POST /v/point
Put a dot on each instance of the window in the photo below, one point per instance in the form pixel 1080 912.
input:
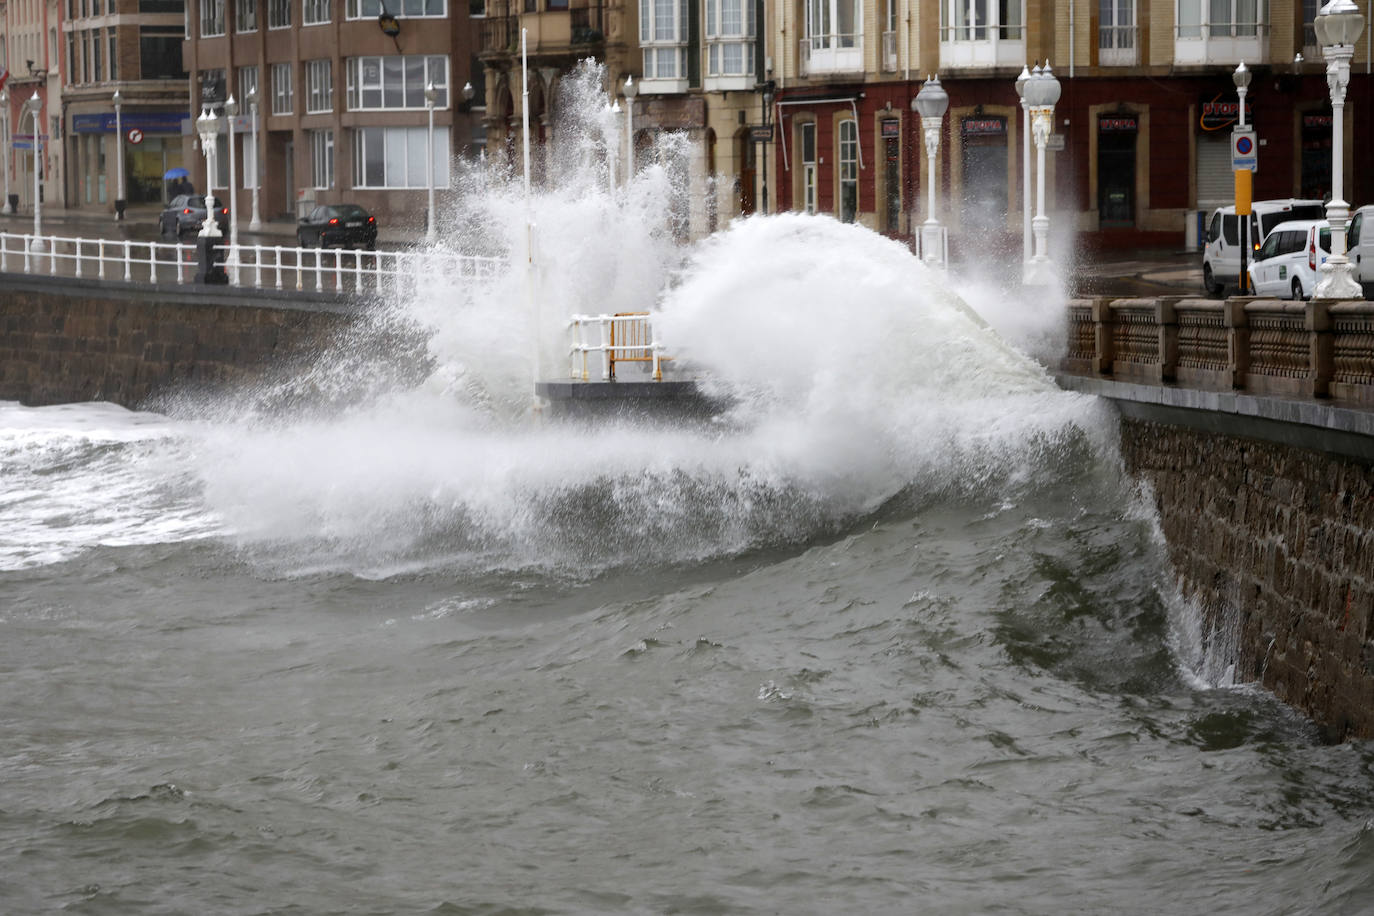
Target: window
pixel 834 36
pixel 211 18
pixel 315 12
pixel 405 9
pixel 246 16
pixel 1116 33
pixel 159 51
pixel 394 157
pixel 982 33
pixel 321 158
pixel 663 37
pixel 729 37
pixel 282 103
pixel 114 57
pixel 278 14
pixel 1310 49
pixel 160 6
pixel 808 163
pixel 71 57
pixel 849 170
pixel 97 41
pixel 319 87
pixel 395 82
pixel 1221 31
pixel 248 84
pixel 890 36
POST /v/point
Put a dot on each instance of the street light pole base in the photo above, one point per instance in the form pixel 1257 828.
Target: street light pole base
pixel 1039 271
pixel 1337 281
pixel 38 244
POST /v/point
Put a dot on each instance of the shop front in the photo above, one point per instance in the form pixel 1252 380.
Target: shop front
pixel 152 145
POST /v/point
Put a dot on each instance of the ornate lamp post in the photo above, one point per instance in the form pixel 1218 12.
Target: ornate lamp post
pixel 1042 92
pixel 1338 26
pixel 255 222
pixel 9 145
pixel 430 96
pixel 1025 167
pixel 931 103
pixel 631 90
pixel 35 107
pixel 231 109
pixel 119 156
pixel 207 125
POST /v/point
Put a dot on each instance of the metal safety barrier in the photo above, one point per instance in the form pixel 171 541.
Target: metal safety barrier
pixel 623 337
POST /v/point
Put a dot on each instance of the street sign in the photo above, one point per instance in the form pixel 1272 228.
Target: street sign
pixel 762 134
pixel 1244 150
pixel 135 136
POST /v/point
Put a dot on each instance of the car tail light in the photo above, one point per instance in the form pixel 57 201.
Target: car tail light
pixel 224 210
pixel 372 219
pixel 1312 250
pixel 187 210
pixel 334 221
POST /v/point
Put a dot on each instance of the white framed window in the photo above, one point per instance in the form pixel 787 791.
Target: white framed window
pixel 890 36
pixel 404 9
pixel 663 38
pixel 248 83
pixel 394 157
pixel 319 86
pixel 395 82
pixel 246 16
pixel 97 42
pixel 211 18
pixel 834 40
pixel 730 33
pixel 282 101
pixel 1311 50
pixel 321 158
pixel 114 57
pixel 983 33
pixel 1221 32
pixel 807 148
pixel 848 140
pixel 279 14
pixel 315 12
pixel 1116 33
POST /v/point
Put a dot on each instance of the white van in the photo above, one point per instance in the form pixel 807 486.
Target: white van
pixel 1221 257
pixel 1359 245
pixel 1286 265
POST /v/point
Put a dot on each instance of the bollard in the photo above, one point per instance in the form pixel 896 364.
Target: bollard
pixel 211 271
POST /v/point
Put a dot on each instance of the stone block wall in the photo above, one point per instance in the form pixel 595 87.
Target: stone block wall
pixel 76 341
pixel 1279 541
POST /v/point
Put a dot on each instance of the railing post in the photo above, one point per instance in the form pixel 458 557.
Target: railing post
pixel 28 256
pixel 1167 319
pixel 1103 344
pixel 152 263
pixel 1320 347
pixel 277 254
pixel 607 342
pixel 4 250
pixel 100 259
pixel 128 262
pixel 1237 325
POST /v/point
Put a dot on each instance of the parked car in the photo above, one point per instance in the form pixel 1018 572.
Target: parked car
pixel 186 214
pixel 1359 245
pixel 1286 264
pixel 342 225
pixel 1221 256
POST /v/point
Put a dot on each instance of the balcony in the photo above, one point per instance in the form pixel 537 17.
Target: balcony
pixel 588 23
pixel 833 53
pixel 982 46
pixel 1221 43
pixel 1117 46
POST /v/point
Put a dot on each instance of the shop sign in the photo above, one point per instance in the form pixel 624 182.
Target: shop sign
pixel 1219 111
pixel 1117 124
pixel 150 122
pixel 984 127
pixel 761 134
pixel 1316 122
pixel 891 128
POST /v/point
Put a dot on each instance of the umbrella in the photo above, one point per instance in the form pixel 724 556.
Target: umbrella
pixel 175 173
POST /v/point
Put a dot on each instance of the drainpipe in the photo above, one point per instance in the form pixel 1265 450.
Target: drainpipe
pixel 1072 4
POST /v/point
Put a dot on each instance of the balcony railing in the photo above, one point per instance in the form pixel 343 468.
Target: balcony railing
pixel 588 24
pixel 832 53
pixel 982 46
pixel 1221 43
pixel 499 34
pixel 1116 46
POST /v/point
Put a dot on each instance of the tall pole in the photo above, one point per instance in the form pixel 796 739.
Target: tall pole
pixel 1338 27
pixel 9 145
pixel 531 276
pixel 120 201
pixel 255 223
pixel 35 107
pixel 231 110
pixel 631 90
pixel 1025 166
pixel 429 212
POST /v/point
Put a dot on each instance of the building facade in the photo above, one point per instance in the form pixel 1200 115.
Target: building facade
pixel 32 67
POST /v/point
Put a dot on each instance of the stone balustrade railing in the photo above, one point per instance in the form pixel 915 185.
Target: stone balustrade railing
pixel 1321 348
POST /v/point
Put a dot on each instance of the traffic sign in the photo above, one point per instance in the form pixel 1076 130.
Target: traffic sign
pixel 135 136
pixel 1244 149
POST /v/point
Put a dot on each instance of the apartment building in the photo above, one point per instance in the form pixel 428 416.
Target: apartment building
pixel 29 55
pixel 339 92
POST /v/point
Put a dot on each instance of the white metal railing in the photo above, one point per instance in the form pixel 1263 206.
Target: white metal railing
pixel 832 52
pixel 1116 46
pixel 625 337
pixel 256 266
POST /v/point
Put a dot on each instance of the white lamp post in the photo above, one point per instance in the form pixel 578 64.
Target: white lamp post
pixel 1042 92
pixel 35 108
pixel 9 145
pixel 119 156
pixel 255 222
pixel 931 103
pixel 631 90
pixel 1025 167
pixel 1338 26
pixel 1241 77
pixel 231 110
pixel 207 125
pixel 430 95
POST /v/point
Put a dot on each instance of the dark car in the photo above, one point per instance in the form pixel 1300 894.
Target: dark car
pixel 185 215
pixel 342 225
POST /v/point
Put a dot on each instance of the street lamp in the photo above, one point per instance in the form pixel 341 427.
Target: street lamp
pixel 1338 27
pixel 768 89
pixel 35 107
pixel 207 125
pixel 931 103
pixel 9 145
pixel 119 156
pixel 1041 93
pixel 1241 77
pixel 231 109
pixel 255 223
pixel 430 95
pixel 1025 167
pixel 631 90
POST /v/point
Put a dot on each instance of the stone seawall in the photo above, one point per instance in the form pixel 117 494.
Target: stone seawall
pixel 73 340
pixel 1279 542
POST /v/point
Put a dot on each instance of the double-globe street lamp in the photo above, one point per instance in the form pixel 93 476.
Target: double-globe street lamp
pixel 255 221
pixel 1041 93
pixel 231 110
pixel 1025 168
pixel 9 146
pixel 931 103
pixel 35 107
pixel 1338 26
pixel 120 201
pixel 631 90
pixel 430 96
pixel 207 125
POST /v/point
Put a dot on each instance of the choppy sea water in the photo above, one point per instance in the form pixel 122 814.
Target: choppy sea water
pixel 894 634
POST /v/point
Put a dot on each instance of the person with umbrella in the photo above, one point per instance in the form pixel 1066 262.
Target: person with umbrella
pixel 180 179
